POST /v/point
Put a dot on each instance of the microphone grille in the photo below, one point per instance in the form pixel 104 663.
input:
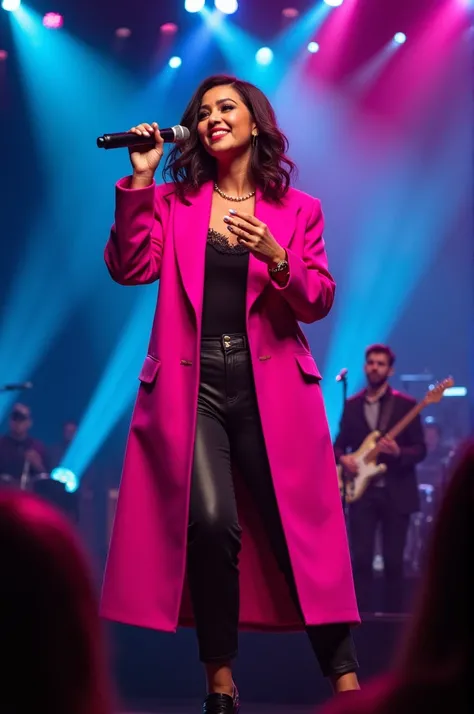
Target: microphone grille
pixel 181 133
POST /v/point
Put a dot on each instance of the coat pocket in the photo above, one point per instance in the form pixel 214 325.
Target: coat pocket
pixel 149 370
pixel 308 367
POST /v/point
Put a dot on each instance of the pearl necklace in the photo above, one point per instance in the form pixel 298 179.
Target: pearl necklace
pixel 233 198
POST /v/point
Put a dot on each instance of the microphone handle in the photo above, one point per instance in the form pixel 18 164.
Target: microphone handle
pixel 126 139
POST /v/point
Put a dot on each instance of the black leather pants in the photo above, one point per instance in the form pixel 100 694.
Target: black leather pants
pixel 229 429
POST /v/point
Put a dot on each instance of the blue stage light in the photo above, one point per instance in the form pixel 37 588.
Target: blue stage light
pixel 67 477
pixel 227 6
pixel 175 62
pixel 194 5
pixel 11 5
pixel 264 56
pixel 313 47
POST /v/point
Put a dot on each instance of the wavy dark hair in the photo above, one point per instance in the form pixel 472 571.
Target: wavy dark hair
pixel 189 165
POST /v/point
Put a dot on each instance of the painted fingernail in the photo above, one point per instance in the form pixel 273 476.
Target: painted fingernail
pixel 232 211
pixel 229 228
pixel 226 219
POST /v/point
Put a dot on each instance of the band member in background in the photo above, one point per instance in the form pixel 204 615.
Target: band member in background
pixel 391 497
pixel 59 450
pixel 20 454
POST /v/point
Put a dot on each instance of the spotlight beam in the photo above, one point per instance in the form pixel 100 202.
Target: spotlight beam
pixel 289 42
pixel 116 389
pixel 369 309
pixel 56 269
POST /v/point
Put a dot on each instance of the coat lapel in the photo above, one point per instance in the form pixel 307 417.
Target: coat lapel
pixel 281 220
pixel 191 224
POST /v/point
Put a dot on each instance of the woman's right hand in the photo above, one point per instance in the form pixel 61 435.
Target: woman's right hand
pixel 144 159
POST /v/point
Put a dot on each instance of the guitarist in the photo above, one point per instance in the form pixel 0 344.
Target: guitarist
pixel 391 497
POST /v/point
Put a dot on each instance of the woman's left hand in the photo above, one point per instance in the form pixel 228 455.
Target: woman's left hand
pixel 255 236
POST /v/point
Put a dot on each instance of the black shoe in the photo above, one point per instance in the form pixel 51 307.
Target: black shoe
pixel 222 703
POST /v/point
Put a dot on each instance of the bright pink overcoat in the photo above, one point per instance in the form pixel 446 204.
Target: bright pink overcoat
pixel 156 236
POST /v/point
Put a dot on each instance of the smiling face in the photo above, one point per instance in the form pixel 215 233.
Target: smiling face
pixel 225 124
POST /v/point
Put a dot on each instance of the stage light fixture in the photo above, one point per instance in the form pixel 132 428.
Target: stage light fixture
pixel 456 392
pixel 313 47
pixel 3 55
pixel 264 56
pixel 11 5
pixel 53 21
pixel 228 7
pixel 290 13
pixel 333 3
pixel 169 28
pixel 194 5
pixel 67 477
pixel 175 62
pixel 400 38
pixel 123 32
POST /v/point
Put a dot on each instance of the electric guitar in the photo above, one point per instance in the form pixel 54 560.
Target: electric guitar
pixel 367 453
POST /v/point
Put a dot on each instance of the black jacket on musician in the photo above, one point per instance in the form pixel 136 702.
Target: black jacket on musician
pixel 400 477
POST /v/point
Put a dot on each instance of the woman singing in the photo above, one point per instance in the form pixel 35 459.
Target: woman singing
pixel 229 511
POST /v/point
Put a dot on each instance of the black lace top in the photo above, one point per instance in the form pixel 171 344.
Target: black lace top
pixel 225 287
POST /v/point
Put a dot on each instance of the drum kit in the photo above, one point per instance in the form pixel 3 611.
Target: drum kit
pixel 419 530
pixel 45 487
pixel 25 483
pixel 431 485
pixel 41 484
pixel 432 478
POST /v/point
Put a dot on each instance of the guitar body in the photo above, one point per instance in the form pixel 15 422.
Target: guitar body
pixel 356 485
pixel 366 454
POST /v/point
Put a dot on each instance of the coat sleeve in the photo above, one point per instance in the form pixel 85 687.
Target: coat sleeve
pixel 310 287
pixel 134 249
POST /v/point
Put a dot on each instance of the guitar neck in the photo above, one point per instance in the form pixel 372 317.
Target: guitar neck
pixel 407 419
pixel 400 425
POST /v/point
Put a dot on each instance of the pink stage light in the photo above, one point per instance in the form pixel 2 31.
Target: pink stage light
pixel 3 55
pixel 123 32
pixel 53 21
pixel 290 13
pixel 169 28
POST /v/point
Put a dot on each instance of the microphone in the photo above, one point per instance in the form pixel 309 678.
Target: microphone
pixel 125 139
pixel 16 386
pixel 342 375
